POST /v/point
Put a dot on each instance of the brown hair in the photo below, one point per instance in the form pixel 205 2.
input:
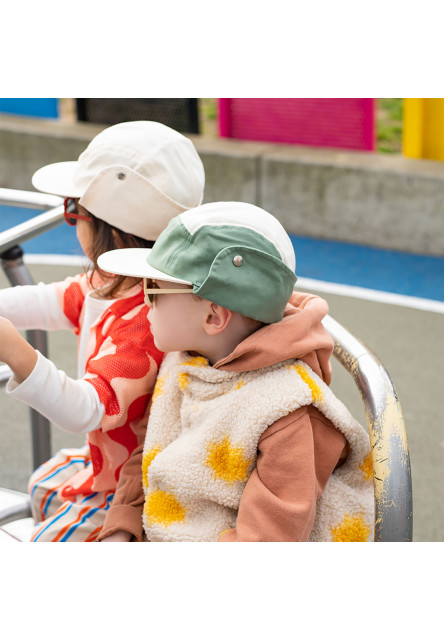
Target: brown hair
pixel 105 238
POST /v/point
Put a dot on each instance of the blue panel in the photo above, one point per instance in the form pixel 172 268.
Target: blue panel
pixel 34 107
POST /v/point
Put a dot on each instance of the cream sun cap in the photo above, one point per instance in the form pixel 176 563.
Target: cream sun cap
pixel 232 253
pixel 134 175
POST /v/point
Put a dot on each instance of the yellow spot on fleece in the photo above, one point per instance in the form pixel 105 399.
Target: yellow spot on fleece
pixel 198 361
pixel 228 462
pixel 158 389
pixel 148 457
pixel 316 392
pixel 163 508
pixel 351 529
pixel 367 467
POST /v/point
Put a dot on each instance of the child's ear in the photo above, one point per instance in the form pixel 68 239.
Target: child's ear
pixel 217 319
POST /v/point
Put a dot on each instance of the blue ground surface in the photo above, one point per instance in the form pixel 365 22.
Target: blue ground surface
pixel 338 262
pixel 60 240
pixel 370 268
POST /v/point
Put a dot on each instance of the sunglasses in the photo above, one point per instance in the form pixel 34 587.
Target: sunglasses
pixel 71 214
pixel 151 290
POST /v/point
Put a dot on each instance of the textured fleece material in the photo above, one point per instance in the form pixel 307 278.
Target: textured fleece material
pixel 296 454
pixel 201 448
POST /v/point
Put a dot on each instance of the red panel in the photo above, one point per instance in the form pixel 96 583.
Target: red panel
pixel 345 123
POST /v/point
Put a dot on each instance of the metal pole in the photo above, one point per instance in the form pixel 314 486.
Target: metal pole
pixel 18 274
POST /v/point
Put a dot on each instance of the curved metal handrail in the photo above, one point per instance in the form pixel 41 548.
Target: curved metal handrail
pixel 35 226
pixel 385 422
pixel 14 505
pixel 29 199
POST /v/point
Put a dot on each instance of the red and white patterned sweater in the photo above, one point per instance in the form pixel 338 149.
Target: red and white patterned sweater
pixel 110 401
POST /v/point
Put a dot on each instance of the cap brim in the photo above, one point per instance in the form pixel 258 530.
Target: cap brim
pixel 57 178
pixel 133 262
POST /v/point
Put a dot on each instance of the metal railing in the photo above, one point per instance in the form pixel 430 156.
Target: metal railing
pixel 11 260
pixel 390 456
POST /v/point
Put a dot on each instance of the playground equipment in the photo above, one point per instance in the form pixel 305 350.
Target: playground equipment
pixel 30 107
pixel 344 123
pixel 390 456
pixel 179 113
pixel 423 128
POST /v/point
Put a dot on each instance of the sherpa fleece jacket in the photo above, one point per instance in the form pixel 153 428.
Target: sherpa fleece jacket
pixel 109 400
pixel 201 447
pixel 295 455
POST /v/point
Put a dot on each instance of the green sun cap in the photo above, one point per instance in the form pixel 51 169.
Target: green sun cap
pixel 234 254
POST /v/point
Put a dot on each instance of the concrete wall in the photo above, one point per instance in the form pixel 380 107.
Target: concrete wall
pixel 373 199
pixel 382 201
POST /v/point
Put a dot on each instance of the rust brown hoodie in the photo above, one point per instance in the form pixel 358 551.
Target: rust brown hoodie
pixel 296 454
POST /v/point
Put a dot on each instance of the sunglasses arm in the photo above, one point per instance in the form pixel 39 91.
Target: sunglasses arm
pixel 156 291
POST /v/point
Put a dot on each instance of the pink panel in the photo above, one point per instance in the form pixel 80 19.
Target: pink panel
pixel 345 123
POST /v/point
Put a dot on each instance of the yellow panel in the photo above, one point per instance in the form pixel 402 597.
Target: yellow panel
pixel 423 128
pixel 433 147
pixel 412 130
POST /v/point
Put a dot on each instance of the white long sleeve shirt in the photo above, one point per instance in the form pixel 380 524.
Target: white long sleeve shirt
pixel 117 365
pixel 37 307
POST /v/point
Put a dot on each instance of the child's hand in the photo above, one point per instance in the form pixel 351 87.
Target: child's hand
pixel 15 351
pixel 118 536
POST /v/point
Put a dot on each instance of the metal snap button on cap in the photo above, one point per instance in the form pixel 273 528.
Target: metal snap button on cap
pixel 121 175
pixel 237 261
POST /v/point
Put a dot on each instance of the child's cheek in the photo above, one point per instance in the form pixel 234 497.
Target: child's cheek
pixel 151 319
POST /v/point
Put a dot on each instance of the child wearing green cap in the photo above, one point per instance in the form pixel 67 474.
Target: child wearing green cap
pixel 245 440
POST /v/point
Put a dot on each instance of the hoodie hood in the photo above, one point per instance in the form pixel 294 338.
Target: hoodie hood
pixel 300 334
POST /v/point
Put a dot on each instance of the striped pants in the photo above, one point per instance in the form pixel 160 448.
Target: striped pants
pixel 65 521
